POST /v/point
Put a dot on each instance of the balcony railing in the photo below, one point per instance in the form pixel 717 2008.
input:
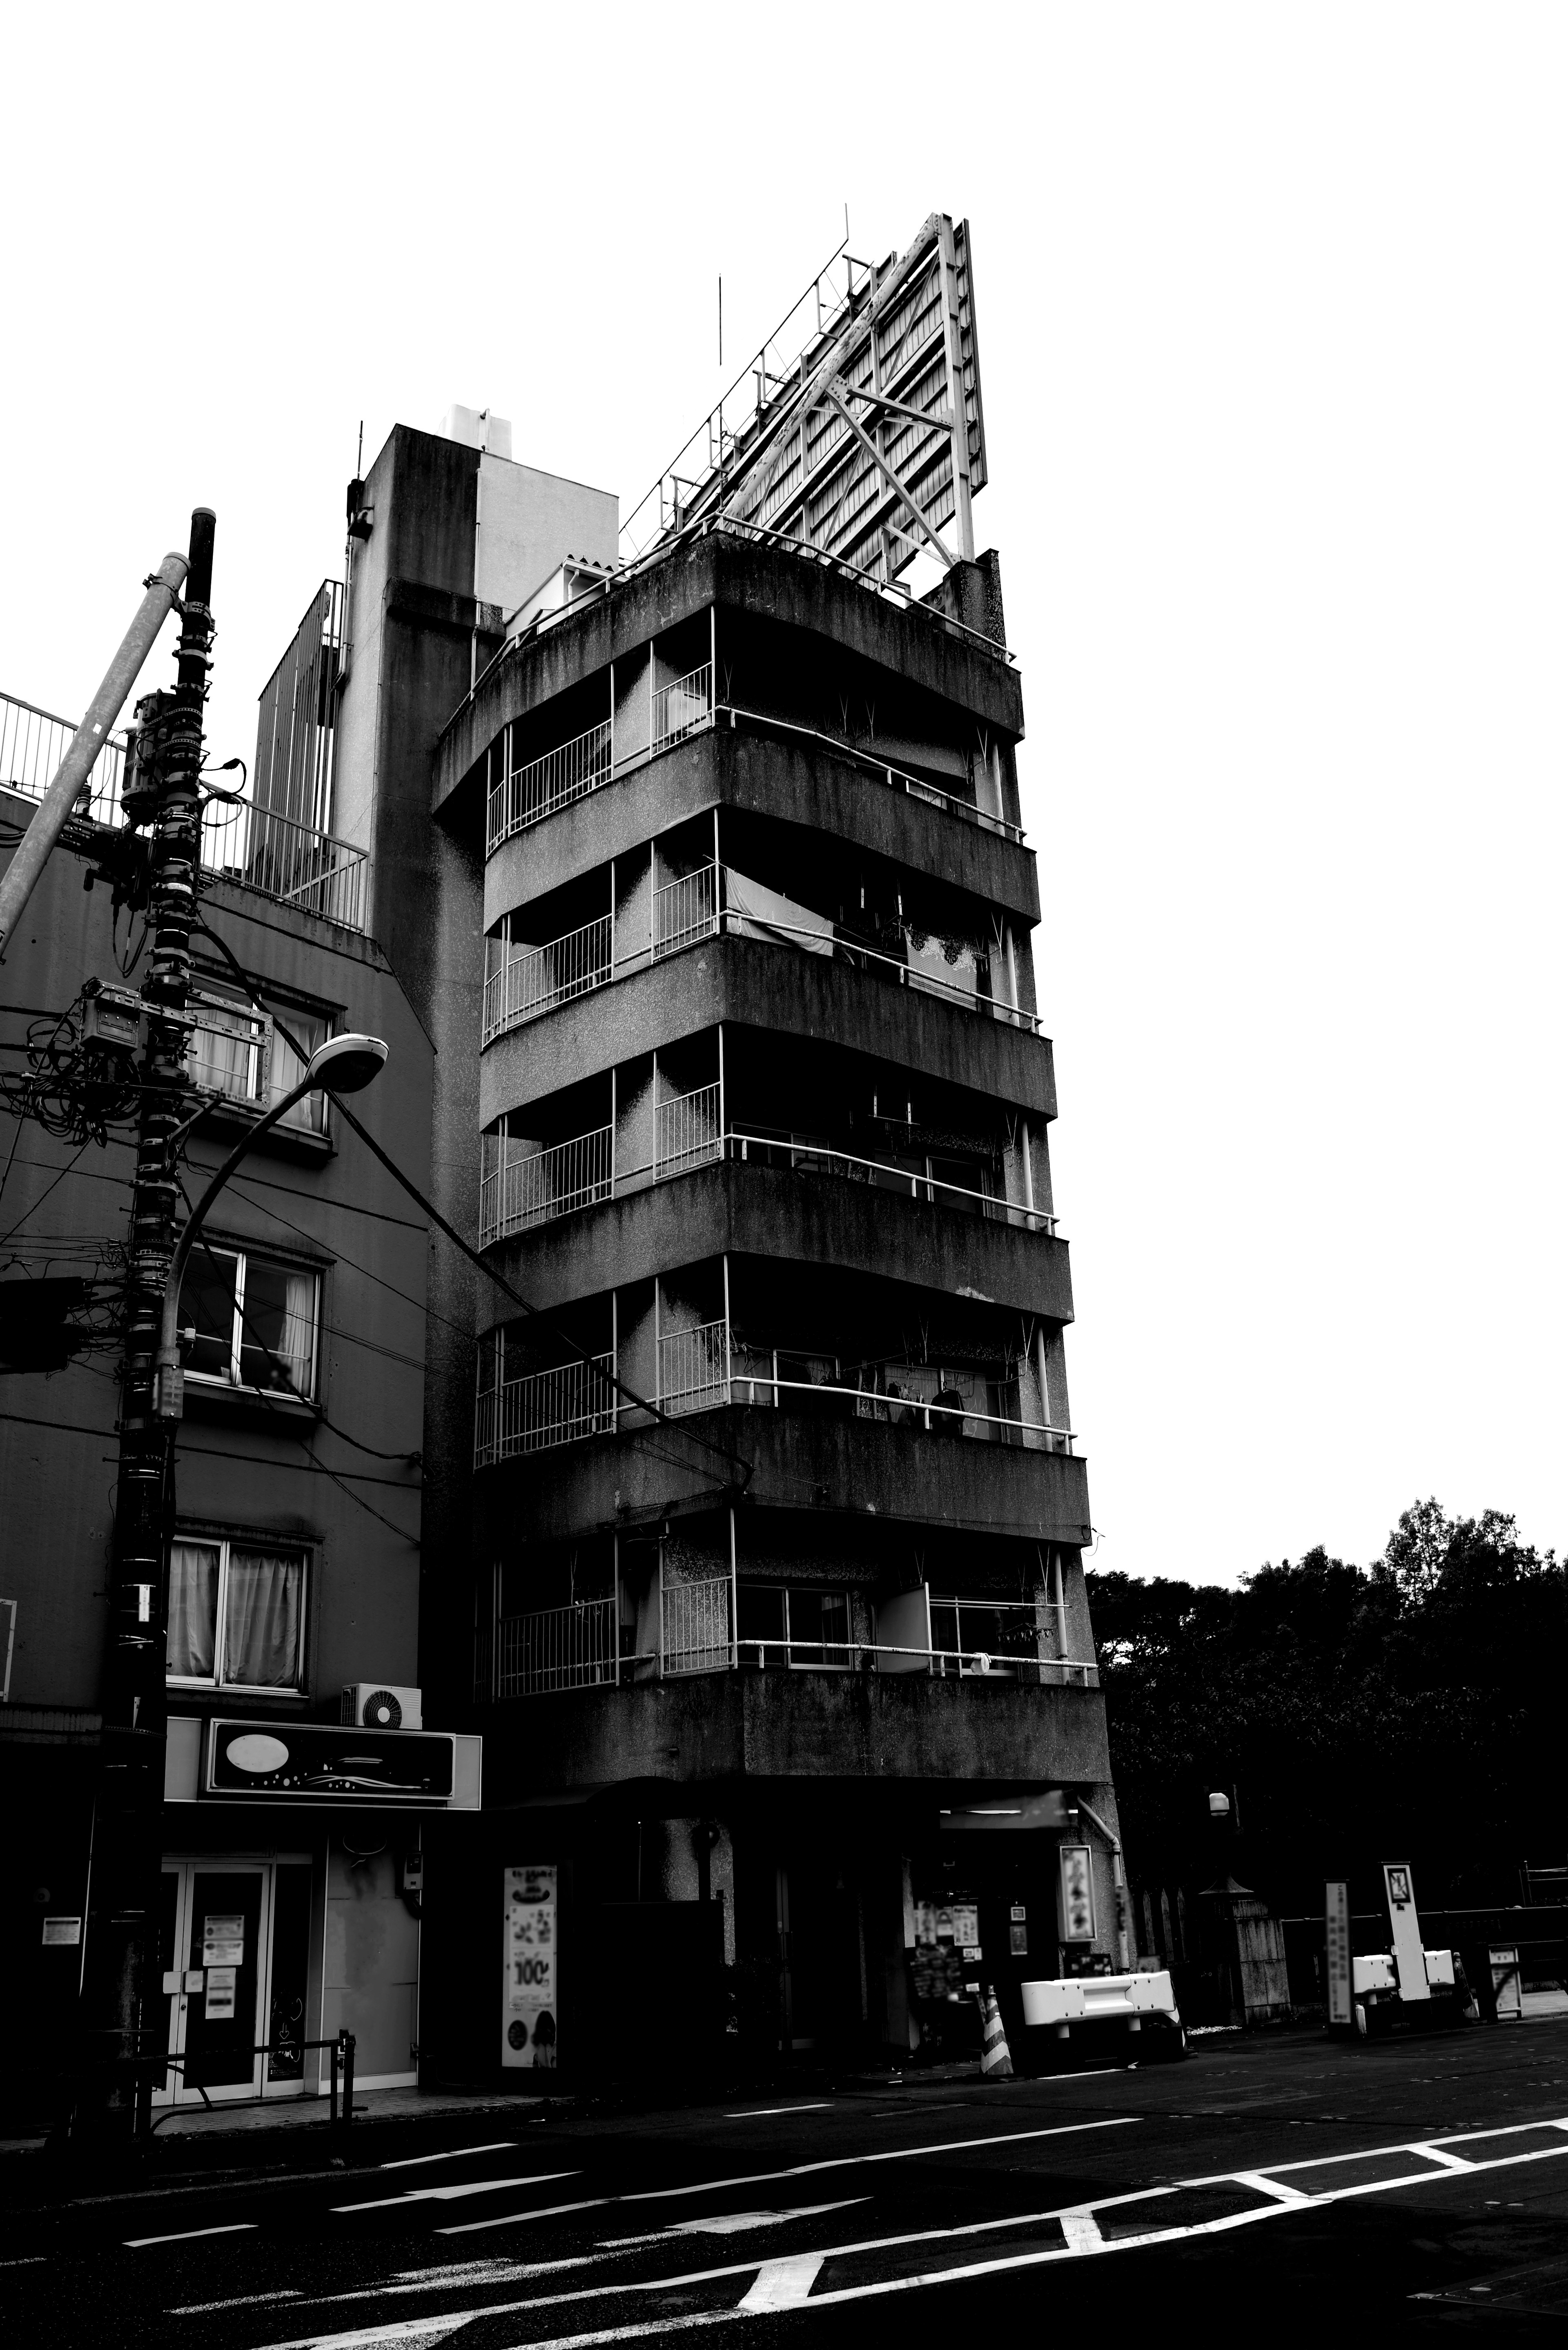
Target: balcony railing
pixel 685 909
pixel 32 744
pixel 556 1649
pixel 578 1648
pixel 693 1369
pixel 694 1626
pixel 257 848
pixel 545 1408
pixel 686 1131
pixel 538 977
pixel 532 792
pixel 681 707
pixel 536 1186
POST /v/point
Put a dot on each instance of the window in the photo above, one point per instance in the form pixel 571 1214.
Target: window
pixel 236 1615
pixel 780 1625
pixel 249 1322
pixel 240 1053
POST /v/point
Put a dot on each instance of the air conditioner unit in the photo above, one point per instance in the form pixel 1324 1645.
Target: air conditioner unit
pixel 382 1705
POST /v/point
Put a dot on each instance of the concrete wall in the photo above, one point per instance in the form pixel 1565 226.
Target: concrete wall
pixel 528 521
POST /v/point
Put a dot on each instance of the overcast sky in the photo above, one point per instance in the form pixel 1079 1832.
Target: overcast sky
pixel 1272 325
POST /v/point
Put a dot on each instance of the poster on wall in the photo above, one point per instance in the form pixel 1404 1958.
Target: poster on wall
pixel 1078 1894
pixel 530 2008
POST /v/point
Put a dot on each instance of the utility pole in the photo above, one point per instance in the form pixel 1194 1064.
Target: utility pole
pixel 122 1977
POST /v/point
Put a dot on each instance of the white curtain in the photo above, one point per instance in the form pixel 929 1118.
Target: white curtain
pixel 297 1345
pixel 193 1609
pixel 260 1629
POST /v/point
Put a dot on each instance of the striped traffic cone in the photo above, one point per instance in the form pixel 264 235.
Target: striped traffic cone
pixel 995 2060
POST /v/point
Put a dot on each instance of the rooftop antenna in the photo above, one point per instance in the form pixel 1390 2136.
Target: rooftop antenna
pixel 720 319
pixel 360 459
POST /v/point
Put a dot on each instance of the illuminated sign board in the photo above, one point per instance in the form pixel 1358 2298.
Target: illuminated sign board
pixel 284 1762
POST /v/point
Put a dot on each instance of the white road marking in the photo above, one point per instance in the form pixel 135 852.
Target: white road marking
pixel 241 2300
pixel 795 2170
pixel 782 2284
pixel 452 2194
pixel 1081 2232
pixel 1261 2185
pixel 730 2223
pixel 185 2235
pixel 762 2113
pixel 452 2154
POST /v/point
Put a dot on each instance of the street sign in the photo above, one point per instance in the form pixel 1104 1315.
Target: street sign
pixel 1336 1945
pixel 1078 1894
pixel 1409 1958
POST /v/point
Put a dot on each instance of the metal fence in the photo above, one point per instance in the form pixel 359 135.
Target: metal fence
pixel 545 1408
pixel 682 706
pixel 299 865
pixel 556 1649
pixel 538 977
pixel 535 1187
pixel 535 790
pixel 694 1626
pixel 694 1369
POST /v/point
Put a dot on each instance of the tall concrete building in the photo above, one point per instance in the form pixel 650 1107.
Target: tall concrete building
pixel 754 1517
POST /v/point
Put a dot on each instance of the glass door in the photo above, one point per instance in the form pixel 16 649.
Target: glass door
pixel 234 1962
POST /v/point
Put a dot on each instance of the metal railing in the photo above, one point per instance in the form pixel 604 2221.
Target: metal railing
pixel 296 865
pixel 33 742
pixel 966 1664
pixel 685 909
pixel 261 850
pixel 896 778
pixel 694 1369
pixel 694 1626
pixel 538 977
pixel 682 706
pixel 532 792
pixel 556 1649
pixel 544 1408
pixel 686 1133
pixel 537 1187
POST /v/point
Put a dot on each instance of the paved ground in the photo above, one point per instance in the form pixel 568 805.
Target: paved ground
pixel 1415 2187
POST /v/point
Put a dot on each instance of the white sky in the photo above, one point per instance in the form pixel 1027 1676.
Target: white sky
pixel 1273 336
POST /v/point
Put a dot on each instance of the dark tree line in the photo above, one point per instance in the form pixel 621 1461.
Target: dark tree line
pixel 1412 1710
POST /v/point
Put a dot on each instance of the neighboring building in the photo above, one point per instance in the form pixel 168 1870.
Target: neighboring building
pixel 295 1566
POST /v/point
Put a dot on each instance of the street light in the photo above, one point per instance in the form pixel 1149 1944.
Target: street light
pixel 344 1065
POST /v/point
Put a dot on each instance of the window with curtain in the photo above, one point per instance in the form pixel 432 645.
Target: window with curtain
pixel 249 1321
pixel 236 1615
pixel 241 1052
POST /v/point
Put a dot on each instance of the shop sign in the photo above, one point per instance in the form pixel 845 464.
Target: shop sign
pixel 59 1931
pixel 1078 1894
pixel 328 1762
pixel 530 2004
pixel 1018 1931
pixel 1336 1947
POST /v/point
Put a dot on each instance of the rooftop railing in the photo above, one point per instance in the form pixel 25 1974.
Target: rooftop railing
pixel 260 849
pixel 535 1187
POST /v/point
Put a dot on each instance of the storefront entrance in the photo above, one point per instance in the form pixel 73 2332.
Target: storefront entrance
pixel 234 1957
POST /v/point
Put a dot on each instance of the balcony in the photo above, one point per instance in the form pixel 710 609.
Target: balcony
pixel 540 787
pixel 537 788
pixel 578 1648
pixel 293 863
pixel 523 1191
pixel 716 902
pixel 704 1369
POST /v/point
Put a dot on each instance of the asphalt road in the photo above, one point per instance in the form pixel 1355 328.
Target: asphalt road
pixel 1410 2188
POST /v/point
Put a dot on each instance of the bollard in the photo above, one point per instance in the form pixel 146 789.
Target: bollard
pixel 346 2042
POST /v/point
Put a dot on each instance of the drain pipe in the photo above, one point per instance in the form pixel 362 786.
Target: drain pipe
pixel 54 808
pixel 1119 1875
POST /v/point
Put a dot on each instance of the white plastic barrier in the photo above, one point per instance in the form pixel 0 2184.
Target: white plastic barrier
pixel 1086 1999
